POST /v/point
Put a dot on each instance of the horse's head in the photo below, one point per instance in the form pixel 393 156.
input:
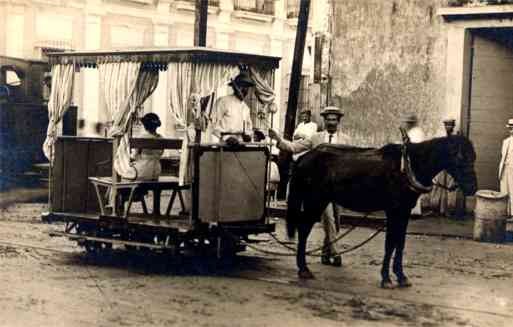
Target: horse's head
pixel 460 159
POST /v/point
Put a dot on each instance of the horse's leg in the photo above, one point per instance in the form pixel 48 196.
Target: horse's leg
pixel 390 242
pixel 402 223
pixel 304 230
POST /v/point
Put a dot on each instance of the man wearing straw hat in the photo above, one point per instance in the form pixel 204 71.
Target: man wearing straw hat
pixel 506 166
pixel 232 114
pixel 332 117
pixel 443 195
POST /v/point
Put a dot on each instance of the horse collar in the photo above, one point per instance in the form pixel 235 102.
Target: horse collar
pixel 413 183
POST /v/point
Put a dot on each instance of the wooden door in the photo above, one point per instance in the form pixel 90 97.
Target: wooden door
pixel 491 103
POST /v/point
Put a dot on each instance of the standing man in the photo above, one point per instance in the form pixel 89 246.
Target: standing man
pixel 332 117
pixel 416 135
pixel 506 167
pixel 232 114
pixel 304 130
pixel 442 197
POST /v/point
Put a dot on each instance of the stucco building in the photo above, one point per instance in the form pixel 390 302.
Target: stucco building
pixel 437 58
pixel 28 28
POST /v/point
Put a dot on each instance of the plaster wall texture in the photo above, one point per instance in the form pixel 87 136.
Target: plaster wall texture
pixel 388 59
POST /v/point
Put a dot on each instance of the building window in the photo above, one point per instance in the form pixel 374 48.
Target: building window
pixel 265 7
pixel 292 8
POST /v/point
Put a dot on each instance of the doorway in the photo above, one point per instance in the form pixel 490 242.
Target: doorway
pixel 490 98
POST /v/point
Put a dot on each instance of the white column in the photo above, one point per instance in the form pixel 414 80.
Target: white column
pixel 91 99
pixel 3 27
pixel 457 72
pixel 15 29
pixel 223 28
pixel 160 98
pixel 277 39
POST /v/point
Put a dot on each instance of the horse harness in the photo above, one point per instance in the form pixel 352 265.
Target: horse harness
pixel 413 183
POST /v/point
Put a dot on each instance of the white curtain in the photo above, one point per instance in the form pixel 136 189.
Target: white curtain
pixel 265 94
pixel 125 86
pixel 60 99
pixel 263 90
pixel 145 85
pixel 186 80
pixel 179 83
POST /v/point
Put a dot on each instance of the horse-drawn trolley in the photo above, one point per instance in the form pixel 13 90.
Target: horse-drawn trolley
pixel 210 195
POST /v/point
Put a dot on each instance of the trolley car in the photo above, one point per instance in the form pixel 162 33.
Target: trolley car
pixel 220 204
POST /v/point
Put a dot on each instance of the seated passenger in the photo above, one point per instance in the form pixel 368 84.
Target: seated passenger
pixel 147 161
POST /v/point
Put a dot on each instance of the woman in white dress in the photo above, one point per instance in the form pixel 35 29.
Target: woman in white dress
pixel 147 161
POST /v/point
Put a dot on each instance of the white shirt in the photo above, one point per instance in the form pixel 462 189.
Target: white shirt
pixel 336 138
pixel 416 135
pixel 232 116
pixel 303 131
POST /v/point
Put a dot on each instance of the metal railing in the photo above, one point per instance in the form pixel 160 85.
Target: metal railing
pixel 212 3
pixel 265 7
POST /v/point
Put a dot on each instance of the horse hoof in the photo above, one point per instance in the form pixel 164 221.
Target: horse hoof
pixel 337 261
pixel 325 260
pixel 387 284
pixel 404 282
pixel 305 274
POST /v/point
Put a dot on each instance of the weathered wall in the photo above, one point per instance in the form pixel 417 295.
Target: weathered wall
pixel 388 58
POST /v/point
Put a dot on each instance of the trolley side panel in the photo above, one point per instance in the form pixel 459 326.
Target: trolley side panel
pixel 232 186
pixel 75 175
pixel 99 164
pixel 76 159
pixel 58 177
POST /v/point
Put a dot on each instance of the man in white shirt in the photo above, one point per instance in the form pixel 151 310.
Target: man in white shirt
pixel 332 117
pixel 506 167
pixel 416 135
pixel 304 130
pixel 232 114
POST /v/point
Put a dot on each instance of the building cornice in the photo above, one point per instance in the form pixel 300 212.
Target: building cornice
pixel 248 15
pixel 474 13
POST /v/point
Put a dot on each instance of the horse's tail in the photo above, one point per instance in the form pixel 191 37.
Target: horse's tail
pixel 294 204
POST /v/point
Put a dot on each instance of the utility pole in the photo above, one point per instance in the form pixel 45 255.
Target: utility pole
pixel 200 23
pixel 295 82
pixel 297 62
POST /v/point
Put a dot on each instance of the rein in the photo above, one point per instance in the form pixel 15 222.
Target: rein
pixel 450 189
pixel 413 183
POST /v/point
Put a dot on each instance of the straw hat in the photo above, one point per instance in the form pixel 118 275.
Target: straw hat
pixel 510 123
pixel 243 79
pixel 449 122
pixel 332 111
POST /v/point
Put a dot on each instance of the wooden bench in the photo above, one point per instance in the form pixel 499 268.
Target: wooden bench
pixel 132 187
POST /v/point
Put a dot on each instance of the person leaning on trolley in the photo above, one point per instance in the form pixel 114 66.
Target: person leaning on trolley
pixel 332 117
pixel 232 115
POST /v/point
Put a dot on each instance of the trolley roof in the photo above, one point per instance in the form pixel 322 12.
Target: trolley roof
pixel 160 57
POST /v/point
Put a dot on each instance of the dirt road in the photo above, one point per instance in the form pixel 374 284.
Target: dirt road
pixel 51 282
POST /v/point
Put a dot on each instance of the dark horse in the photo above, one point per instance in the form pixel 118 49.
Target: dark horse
pixel 368 179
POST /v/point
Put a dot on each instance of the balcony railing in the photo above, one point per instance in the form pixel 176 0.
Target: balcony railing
pixel 265 7
pixel 212 3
